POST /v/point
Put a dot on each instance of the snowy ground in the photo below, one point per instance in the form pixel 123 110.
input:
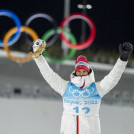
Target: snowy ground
pixel 41 116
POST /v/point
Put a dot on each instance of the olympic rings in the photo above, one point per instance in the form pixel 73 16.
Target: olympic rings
pixel 89 22
pixel 50 19
pixel 17 23
pixel 10 33
pixel 71 37
pixel 71 42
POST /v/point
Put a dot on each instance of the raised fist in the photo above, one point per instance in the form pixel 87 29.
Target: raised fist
pixel 38 47
pixel 125 50
pixel 37 44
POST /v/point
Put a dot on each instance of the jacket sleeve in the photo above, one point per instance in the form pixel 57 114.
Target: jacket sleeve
pixel 52 78
pixel 111 80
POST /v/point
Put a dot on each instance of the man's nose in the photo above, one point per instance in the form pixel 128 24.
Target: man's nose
pixel 81 73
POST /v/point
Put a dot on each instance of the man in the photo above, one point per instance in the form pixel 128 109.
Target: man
pixel 81 95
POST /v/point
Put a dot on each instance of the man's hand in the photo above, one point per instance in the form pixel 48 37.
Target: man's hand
pixel 37 48
pixel 38 43
pixel 125 50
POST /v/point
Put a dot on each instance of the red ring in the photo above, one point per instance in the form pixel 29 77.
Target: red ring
pixel 91 37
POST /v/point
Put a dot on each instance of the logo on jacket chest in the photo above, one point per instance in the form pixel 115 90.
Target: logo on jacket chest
pixel 86 92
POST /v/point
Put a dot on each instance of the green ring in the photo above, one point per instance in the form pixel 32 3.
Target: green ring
pixel 72 38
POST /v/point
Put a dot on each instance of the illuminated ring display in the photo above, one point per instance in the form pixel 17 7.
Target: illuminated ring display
pixel 50 19
pixel 17 23
pixel 10 33
pixel 91 37
pixel 71 37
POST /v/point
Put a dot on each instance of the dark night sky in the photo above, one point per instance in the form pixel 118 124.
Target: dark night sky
pixel 114 19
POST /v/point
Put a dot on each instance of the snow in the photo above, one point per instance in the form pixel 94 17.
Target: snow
pixel 43 116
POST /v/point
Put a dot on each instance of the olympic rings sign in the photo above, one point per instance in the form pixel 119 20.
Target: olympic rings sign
pixel 9 34
pixel 55 31
pixel 89 22
pixel 50 19
pixel 17 23
pixel 71 37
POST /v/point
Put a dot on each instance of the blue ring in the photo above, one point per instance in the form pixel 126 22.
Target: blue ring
pixel 17 23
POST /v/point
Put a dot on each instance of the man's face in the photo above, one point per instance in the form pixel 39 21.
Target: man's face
pixel 81 72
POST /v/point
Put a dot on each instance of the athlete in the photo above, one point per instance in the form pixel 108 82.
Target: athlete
pixel 81 95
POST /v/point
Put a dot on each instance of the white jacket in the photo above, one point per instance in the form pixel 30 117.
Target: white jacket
pixel 87 124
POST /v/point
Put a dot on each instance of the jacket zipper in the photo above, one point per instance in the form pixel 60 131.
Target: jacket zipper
pixel 77 124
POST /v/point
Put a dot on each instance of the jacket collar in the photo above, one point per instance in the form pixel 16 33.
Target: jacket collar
pixel 82 81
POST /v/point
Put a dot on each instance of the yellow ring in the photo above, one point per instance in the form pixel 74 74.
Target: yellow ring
pixel 10 33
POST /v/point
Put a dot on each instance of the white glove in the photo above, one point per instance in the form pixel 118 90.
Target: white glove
pixel 37 44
